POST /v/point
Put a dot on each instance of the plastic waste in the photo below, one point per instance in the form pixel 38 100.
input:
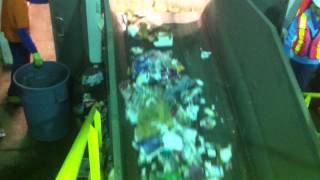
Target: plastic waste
pixel 133 30
pixel 172 141
pixel 205 55
pixel 165 106
pixel 163 40
pixel 226 154
pixel 92 77
pixel 149 145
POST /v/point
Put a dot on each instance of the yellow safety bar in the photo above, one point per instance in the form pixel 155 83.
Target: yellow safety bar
pixel 308 96
pixel 91 135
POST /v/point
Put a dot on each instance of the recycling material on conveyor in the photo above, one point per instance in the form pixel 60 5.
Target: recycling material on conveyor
pixel 177 121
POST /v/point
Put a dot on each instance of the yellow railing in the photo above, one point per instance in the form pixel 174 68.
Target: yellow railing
pixel 308 96
pixel 91 134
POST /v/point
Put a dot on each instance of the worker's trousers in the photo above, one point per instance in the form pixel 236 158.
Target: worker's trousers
pixel 21 56
pixel 304 73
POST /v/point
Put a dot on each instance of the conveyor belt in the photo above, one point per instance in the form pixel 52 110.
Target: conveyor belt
pixel 187 43
pixel 251 85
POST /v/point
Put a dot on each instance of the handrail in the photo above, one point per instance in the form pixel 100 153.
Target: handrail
pixel 91 135
pixel 309 96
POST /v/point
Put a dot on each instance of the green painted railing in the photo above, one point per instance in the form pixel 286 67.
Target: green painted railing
pixel 91 134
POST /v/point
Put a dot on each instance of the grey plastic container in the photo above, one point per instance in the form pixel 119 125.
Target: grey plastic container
pixel 45 98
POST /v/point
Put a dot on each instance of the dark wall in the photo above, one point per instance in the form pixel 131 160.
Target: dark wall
pixel 276 126
pixel 275 10
pixel 68 28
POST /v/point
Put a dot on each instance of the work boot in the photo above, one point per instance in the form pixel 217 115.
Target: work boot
pixel 2 133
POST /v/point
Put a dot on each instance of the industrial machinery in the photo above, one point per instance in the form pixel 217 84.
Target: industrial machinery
pixel 229 78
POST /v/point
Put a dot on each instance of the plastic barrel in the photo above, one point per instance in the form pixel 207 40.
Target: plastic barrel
pixel 45 98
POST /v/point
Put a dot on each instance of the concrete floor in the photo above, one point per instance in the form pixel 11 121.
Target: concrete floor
pixel 21 157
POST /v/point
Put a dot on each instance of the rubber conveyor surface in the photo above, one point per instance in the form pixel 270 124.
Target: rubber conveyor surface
pixel 187 46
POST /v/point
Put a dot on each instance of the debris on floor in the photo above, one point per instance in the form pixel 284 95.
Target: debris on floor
pixel 92 77
pixel 90 89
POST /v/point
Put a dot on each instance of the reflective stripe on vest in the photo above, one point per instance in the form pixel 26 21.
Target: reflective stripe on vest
pixel 301 45
pixel 304 45
pixel 315 48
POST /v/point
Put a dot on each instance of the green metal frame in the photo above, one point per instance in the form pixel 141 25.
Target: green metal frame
pixel 276 127
pixel 113 92
pixel 91 135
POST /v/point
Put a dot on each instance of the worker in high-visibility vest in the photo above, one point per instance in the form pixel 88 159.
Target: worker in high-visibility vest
pixel 15 25
pixel 302 42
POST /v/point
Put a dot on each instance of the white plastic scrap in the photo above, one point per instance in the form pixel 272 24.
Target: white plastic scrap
pixel 137 50
pixel 189 135
pixel 192 111
pixel 196 91
pixel 164 40
pixel 200 82
pixel 172 141
pixel 203 101
pixel 133 30
pixel 93 80
pixel 208 123
pixel 209 112
pixel 212 171
pixel 211 151
pixel 190 153
pixel 174 62
pixel 131 115
pixel 205 54
pixel 226 154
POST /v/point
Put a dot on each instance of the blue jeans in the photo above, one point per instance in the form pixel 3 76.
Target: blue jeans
pixel 304 73
pixel 21 56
